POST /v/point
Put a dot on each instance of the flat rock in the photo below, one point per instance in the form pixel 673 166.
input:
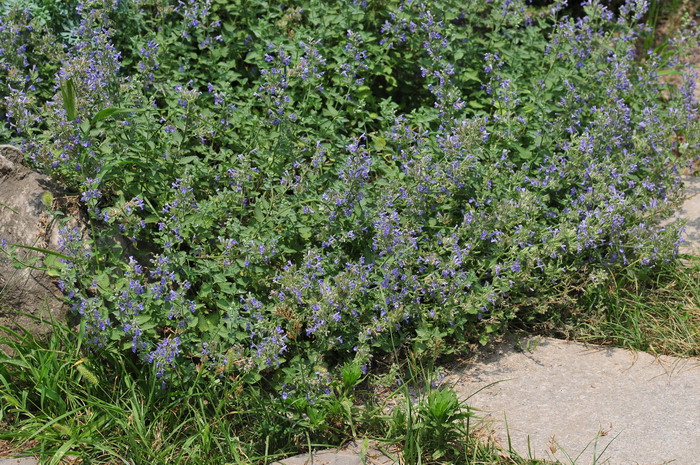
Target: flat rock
pixel 690 211
pixel 19 461
pixel 563 400
pixel 351 454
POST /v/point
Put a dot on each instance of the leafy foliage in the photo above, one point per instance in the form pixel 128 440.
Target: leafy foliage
pixel 305 185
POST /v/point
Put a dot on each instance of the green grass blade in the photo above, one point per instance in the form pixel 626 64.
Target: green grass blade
pixel 68 96
pixel 61 452
pixel 43 250
pixel 4 205
pixel 107 112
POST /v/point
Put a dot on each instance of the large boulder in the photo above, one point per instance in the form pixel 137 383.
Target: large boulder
pixel 25 200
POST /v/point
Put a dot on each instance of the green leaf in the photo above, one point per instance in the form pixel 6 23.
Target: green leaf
pixel 379 143
pixel 470 76
pixel 4 205
pixel 252 377
pixel 53 265
pixel 188 160
pixel 103 280
pixel 46 391
pixel 203 323
pixel 14 361
pixel 12 401
pixel 144 322
pixel 364 92
pixel 525 154
pixel 351 374
pixel 68 96
pixel 305 233
pixel 61 452
pixel 107 112
pixel 330 111
pixel 261 210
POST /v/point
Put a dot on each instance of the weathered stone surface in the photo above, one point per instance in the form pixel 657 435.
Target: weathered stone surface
pixel 352 454
pixel 19 461
pixel 12 153
pixel 690 211
pixel 24 220
pixel 556 398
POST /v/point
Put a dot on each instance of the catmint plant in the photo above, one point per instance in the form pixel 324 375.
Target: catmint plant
pixel 298 187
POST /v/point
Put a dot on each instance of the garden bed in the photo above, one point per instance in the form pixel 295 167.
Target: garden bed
pixel 315 192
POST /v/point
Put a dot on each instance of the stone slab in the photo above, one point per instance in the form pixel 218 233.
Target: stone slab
pixel 19 461
pixel 562 400
pixel 351 454
pixel 690 211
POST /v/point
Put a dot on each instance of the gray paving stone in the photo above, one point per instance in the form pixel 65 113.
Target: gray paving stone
pixel 690 211
pixel 562 398
pixel 351 454
pixel 19 461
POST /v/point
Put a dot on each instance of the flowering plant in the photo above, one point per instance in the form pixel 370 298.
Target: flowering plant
pixel 305 184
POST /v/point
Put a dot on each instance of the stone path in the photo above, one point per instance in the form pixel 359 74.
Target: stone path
pixel 20 461
pixel 577 403
pixel 690 211
pixel 562 400
pixel 353 454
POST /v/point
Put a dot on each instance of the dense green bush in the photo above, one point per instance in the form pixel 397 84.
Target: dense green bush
pixel 321 181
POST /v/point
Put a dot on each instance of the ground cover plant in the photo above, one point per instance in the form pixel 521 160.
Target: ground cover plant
pixel 311 190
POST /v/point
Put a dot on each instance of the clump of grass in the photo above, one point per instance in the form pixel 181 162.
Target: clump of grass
pixel 60 404
pixel 657 313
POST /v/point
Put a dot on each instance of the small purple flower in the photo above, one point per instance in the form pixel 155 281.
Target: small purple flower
pixel 515 267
